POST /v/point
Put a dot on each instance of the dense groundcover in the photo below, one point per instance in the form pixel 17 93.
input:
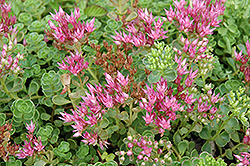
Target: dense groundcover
pixel 124 82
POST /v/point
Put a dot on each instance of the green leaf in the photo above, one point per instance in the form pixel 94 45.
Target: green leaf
pixel 229 154
pixel 182 146
pixel 197 128
pixel 207 147
pixel 63 147
pixel 148 133
pixel 104 155
pixel 33 88
pixel 40 163
pixel 177 137
pixel 104 123
pixel 194 153
pixel 154 77
pixel 186 163
pixel 83 151
pixel 45 116
pixel 235 137
pixel 170 75
pixel 59 100
pixel 222 31
pixel 205 133
pixel 183 130
pixel 95 11
pixel 131 16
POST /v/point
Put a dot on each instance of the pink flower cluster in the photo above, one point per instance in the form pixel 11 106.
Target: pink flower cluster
pixel 243 59
pixel 91 110
pixel 6 21
pixel 244 159
pixel 198 18
pixel 194 49
pixel 145 33
pixel 151 150
pixel 63 34
pixel 33 146
pixel 205 105
pixel 160 105
pixel 75 64
pixel 8 64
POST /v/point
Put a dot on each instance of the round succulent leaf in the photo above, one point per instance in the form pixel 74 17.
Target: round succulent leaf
pixel 104 123
pixel 154 76
pixel 33 88
pixel 229 154
pixel 45 116
pixel 40 163
pixel 148 133
pixel 59 100
pixel 36 26
pixel 235 136
pixel 28 116
pixel 186 163
pixel 222 139
pixel 194 153
pixel 207 147
pixel 111 162
pixel 83 151
pixel 131 16
pixel 205 133
pixel 25 18
pixel 64 147
pixel 177 138
pixel 182 146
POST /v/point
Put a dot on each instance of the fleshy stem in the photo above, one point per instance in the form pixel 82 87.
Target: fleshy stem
pixel 52 114
pixel 92 74
pixel 5 89
pixel 72 101
pixel 221 128
pixel 130 113
pixel 78 75
pixel 177 153
pixel 190 130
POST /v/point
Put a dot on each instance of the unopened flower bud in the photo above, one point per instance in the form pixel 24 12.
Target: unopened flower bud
pixel 130 138
pixel 122 153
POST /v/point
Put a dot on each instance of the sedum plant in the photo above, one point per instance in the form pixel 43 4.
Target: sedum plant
pixel 121 82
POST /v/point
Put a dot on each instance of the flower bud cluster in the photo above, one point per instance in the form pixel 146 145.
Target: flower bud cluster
pixel 91 110
pixel 33 145
pixel 6 149
pixel 141 32
pixel 151 151
pixel 207 109
pixel 198 18
pixel 63 35
pixel 9 63
pixel 240 104
pixel 244 60
pixel 160 58
pixel 160 105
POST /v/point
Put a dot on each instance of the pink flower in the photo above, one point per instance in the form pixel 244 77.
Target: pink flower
pixel 31 127
pixel 245 160
pixel 38 146
pixel 146 151
pixel 149 118
pixel 75 65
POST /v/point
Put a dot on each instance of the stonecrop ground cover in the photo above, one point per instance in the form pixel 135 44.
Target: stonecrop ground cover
pixel 119 82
